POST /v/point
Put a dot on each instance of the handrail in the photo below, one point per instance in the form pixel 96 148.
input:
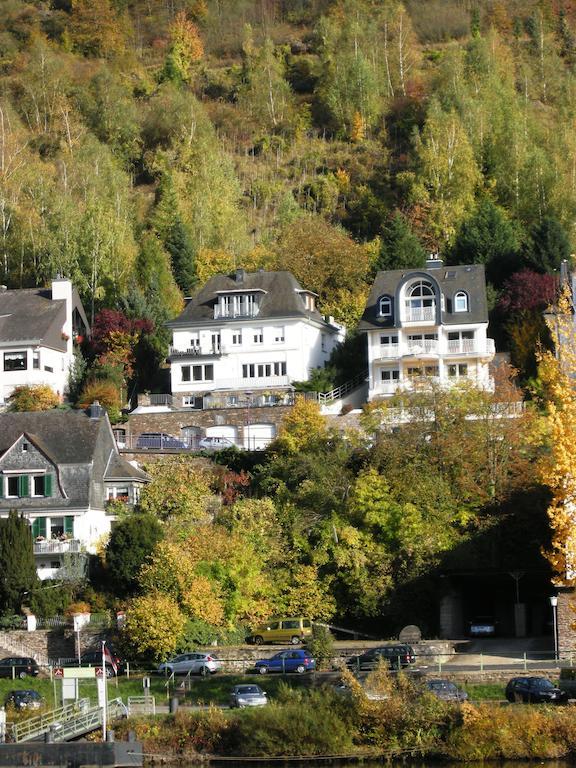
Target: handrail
pixel 343 389
pixel 74 720
pixel 37 725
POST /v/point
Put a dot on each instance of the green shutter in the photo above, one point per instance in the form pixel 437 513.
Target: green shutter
pixel 23 486
pixel 39 527
pixel 69 525
pixel 48 485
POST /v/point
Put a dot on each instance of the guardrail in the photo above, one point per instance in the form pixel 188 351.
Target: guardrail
pixel 28 730
pixel 68 722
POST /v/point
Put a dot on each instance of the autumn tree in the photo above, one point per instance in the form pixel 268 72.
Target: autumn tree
pixel 33 397
pixel 95 29
pixel 185 50
pixel 154 626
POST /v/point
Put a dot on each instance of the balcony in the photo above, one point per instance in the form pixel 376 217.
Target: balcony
pixel 471 347
pixel 389 350
pixel 420 314
pixel 419 349
pixel 195 352
pixel 231 313
pixel 56 547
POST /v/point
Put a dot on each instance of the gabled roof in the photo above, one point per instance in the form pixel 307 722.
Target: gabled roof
pixel 449 279
pixel 30 315
pixel 120 469
pixel 282 297
pixel 66 437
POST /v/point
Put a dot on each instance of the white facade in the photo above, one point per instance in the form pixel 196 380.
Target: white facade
pixel 42 354
pixel 427 325
pixel 240 348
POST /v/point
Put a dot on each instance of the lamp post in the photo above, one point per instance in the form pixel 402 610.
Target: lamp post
pixel 554 604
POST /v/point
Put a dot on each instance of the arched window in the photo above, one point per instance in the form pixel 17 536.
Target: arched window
pixel 385 306
pixel 461 302
pixel 420 301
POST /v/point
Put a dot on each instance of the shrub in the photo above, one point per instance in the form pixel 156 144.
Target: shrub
pixel 39 397
pixel 321 645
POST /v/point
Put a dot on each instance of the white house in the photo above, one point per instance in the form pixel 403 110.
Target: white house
pixel 60 470
pixel 38 328
pixel 427 323
pixel 248 333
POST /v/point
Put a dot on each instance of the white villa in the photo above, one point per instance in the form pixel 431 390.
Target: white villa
pixel 250 333
pixel 429 322
pixel 38 328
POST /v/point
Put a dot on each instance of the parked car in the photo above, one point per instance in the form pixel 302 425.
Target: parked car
pixel 191 663
pixel 534 690
pixel 24 699
pixel 294 631
pixel 216 443
pixel 248 696
pixel 446 690
pixel 18 666
pixel 397 657
pixel 158 440
pixel 287 661
pixel 482 626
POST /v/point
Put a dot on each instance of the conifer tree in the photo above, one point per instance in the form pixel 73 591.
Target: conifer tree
pixel 400 248
pixel 17 568
pixel 179 246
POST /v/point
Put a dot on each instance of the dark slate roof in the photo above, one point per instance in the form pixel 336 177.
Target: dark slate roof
pixel 32 315
pixel 282 297
pixel 66 437
pixel 448 279
pixel 120 469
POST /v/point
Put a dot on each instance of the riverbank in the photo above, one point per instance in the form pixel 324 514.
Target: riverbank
pixel 320 722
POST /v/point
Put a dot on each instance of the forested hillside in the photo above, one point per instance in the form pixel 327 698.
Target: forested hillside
pixel 146 144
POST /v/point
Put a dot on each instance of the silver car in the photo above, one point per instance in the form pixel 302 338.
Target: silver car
pixel 191 663
pixel 248 696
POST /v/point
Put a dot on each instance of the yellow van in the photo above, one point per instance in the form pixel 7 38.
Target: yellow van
pixel 282 631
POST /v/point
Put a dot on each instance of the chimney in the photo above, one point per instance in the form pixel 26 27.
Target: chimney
pixel 433 261
pixel 240 275
pixel 95 411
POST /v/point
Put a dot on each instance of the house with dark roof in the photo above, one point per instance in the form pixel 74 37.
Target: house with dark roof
pixel 38 329
pixel 250 333
pixel 60 469
pixel 427 324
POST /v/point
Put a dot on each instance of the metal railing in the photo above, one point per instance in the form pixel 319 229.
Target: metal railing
pixel 29 729
pixel 67 722
pixel 339 392
pixel 214 350
pixel 56 547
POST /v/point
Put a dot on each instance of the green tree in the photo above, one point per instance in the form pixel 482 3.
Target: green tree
pixel 488 237
pixel 179 245
pixel 17 566
pixel 180 491
pixel 400 247
pixel 548 246
pixel 154 626
pixel 131 542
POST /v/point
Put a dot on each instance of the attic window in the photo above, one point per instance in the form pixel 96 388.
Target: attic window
pixel 24 447
pixel 385 306
pixel 461 302
pixel 450 275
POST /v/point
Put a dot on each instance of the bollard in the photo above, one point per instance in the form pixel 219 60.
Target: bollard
pixel 525 662
pixel 131 735
pixel 173 708
pixel 110 735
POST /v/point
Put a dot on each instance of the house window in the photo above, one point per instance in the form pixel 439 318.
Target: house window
pixel 24 447
pixel 191 401
pixel 194 340
pixel 203 372
pixel 385 306
pixel 237 338
pixel 309 302
pixel 15 361
pixel 49 368
pixel 390 374
pixel 38 485
pixel 428 370
pixel 386 340
pixel 461 302
pixel 216 342
pixel 259 336
pixel 36 359
pixel 278 335
pixel 457 370
pixel 420 301
pixel 185 373
pixel 263 370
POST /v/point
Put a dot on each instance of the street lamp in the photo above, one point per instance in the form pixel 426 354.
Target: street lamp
pixel 554 604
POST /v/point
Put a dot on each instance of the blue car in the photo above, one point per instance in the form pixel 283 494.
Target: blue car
pixel 287 661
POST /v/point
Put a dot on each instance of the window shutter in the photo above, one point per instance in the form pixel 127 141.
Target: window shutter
pixel 23 485
pixel 69 525
pixel 48 485
pixel 39 527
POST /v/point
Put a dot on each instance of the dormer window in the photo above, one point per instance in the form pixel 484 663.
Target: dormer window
pixel 420 302
pixel 385 307
pixel 461 302
pixel 238 304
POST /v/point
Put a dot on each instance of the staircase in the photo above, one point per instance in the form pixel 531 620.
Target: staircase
pixel 14 647
pixel 349 393
pixel 68 722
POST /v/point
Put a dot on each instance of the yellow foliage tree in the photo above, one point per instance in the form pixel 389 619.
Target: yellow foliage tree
pixel 308 595
pixel 36 397
pixel 301 427
pixel 186 49
pixel 180 492
pixel 154 625
pixel 558 471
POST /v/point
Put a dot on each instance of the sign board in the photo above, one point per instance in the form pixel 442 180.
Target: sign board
pixel 58 672
pixel 145 682
pixel 83 672
pixel 69 689
pixel 99 671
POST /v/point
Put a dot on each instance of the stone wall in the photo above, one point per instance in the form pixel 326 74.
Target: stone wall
pixel 566 621
pixel 54 644
pixel 173 421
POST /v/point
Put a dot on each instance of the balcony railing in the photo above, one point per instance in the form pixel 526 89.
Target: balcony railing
pixel 425 347
pixel 231 313
pixel 419 314
pixel 55 546
pixel 389 350
pixel 214 350
pixel 470 347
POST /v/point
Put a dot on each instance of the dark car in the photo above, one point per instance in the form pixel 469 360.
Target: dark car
pixel 158 440
pixel 482 626
pixel 534 690
pixel 287 661
pixel 18 666
pixel 24 700
pixel 397 656
pixel 446 690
